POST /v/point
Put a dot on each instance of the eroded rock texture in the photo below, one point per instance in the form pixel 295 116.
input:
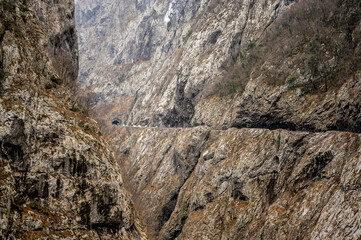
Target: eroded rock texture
pixel 58 178
pixel 244 183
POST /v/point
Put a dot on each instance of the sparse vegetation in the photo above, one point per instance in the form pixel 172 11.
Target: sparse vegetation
pixel 87 127
pixel 315 36
pixel 10 25
pixel 195 123
pixel 74 109
pixel 236 75
pixel 56 80
pixel 8 6
pixel 122 77
pixel 170 97
pixel 35 205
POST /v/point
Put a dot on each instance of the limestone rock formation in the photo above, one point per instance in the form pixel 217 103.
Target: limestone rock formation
pixel 58 178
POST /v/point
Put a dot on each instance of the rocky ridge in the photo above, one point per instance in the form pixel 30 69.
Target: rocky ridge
pixel 58 178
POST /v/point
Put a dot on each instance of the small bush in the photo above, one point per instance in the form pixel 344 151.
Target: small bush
pixel 122 77
pixel 35 205
pixel 74 109
pixel 48 86
pixel 312 63
pixel 24 8
pixel 20 200
pixel 195 123
pixel 291 79
pixel 189 33
pixel 87 127
pixel 56 80
pixel 9 25
pixel 251 45
pixel 23 17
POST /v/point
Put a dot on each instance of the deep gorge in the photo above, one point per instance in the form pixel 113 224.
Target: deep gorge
pixel 199 119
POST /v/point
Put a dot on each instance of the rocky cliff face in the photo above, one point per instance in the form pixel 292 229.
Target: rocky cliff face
pixel 58 18
pixel 148 62
pixel 201 183
pixel 289 71
pixel 58 178
pixel 159 63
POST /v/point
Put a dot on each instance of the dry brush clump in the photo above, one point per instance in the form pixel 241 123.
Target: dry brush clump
pixel 317 37
pixel 236 74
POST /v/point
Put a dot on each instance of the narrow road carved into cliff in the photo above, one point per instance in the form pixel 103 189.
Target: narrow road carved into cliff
pixel 222 129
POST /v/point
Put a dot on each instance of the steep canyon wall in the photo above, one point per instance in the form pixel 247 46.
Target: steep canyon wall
pixel 58 178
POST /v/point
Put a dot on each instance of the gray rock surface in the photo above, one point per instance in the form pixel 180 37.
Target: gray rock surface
pixel 58 178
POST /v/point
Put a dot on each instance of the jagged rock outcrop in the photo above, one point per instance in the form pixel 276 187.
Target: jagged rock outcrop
pixel 243 183
pixel 58 178
pixel 279 107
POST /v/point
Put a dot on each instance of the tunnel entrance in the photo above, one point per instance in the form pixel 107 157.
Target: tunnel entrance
pixel 116 122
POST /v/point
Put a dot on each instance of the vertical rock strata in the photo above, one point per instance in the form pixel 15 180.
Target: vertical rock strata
pixel 58 178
